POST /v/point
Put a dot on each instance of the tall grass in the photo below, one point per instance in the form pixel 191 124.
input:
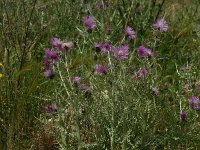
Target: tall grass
pixel 21 80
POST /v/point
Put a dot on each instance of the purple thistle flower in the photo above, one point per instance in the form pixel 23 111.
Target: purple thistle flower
pixel 56 43
pixel 140 73
pixel 155 90
pixel 144 52
pixel 76 80
pixel 49 74
pixel 89 23
pixel 183 116
pixel 50 54
pixel 61 44
pixel 105 47
pixel 194 102
pixel 121 52
pixel 129 32
pixel 85 88
pixel 99 69
pixel 161 25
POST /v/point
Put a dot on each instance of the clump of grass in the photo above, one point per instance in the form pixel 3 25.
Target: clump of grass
pixel 20 83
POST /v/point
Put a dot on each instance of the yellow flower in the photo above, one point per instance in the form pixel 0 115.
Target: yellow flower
pixel 1 75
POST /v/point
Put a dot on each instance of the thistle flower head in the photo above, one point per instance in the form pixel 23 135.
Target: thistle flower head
pixel 144 52
pixel 50 54
pixel 121 52
pixel 129 32
pixel 76 80
pixel 89 23
pixel 161 25
pixel 49 74
pixel 183 116
pixel 155 90
pixel 85 88
pixel 56 43
pixel 194 102
pixel 99 69
pixel 140 73
pixel 105 47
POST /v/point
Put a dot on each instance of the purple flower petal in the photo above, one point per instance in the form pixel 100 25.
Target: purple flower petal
pixel 50 54
pixel 49 74
pixel 129 32
pixel 161 25
pixel 183 116
pixel 155 90
pixel 99 69
pixel 194 102
pixel 105 47
pixel 140 73
pixel 144 52
pixel 89 23
pixel 121 52
pixel 76 80
pixel 85 88
pixel 56 43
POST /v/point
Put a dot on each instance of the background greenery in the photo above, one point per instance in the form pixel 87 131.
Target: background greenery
pixel 121 113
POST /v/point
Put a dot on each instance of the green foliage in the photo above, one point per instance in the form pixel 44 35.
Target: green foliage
pixel 119 112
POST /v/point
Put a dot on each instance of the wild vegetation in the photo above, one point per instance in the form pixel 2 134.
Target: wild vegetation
pixel 104 74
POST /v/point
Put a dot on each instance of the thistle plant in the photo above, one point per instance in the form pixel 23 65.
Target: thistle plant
pixel 125 97
pixel 99 74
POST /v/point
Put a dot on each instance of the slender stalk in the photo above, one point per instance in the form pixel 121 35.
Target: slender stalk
pixel 160 9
